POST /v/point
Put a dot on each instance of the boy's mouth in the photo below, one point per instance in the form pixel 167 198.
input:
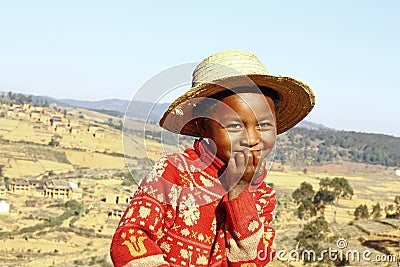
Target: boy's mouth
pixel 251 149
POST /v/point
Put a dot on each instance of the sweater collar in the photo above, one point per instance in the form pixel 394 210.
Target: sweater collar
pixel 204 152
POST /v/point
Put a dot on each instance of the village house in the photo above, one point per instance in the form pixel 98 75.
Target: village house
pixel 4 206
pixel 36 115
pixel 93 128
pixel 61 189
pixel 19 186
pixel 72 123
pixel 117 211
pixel 45 118
pixel 16 106
pixel 37 187
pixel 21 113
pixel 99 134
pixel 10 112
pixel 38 109
pixel 55 123
pixel 30 203
pixel 61 129
pixel 77 193
pixel 57 189
pixel 26 106
pixel 75 130
pixel 55 120
pixel 397 171
pixel 124 197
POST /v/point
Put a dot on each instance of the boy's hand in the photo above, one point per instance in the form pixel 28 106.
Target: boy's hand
pixel 242 168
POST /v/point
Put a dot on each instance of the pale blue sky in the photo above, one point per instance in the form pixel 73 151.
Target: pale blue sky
pixel 347 51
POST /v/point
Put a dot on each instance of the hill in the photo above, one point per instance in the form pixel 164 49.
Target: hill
pixel 43 231
pixel 303 146
pixel 306 146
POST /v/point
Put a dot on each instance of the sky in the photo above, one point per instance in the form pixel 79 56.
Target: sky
pixel 346 51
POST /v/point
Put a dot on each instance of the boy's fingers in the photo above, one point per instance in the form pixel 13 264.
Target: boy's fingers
pixel 262 166
pixel 241 159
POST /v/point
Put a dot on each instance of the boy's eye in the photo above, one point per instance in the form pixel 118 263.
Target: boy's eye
pixel 234 126
pixel 264 126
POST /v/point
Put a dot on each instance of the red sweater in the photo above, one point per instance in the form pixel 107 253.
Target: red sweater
pixel 180 216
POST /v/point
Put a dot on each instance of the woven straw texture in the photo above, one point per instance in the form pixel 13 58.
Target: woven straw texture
pixel 232 69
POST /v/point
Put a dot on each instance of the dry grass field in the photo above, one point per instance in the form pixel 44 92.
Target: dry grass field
pixel 97 164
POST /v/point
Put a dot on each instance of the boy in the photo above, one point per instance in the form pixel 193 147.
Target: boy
pixel 210 205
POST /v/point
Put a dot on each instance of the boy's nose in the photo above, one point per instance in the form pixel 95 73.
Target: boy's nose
pixel 252 139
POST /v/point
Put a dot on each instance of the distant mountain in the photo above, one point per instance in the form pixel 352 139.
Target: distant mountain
pixel 312 126
pixel 138 109
pixel 108 104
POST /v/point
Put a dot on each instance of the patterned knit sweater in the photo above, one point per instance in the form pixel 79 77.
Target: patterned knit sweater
pixel 179 217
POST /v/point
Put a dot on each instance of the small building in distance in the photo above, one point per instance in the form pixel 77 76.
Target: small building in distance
pixel 57 189
pixel 30 203
pixel 77 193
pixel 72 123
pixel 16 106
pixel 21 113
pixel 19 186
pixel 62 189
pixel 55 121
pixel 118 211
pixel 92 128
pixel 36 115
pixel 26 106
pixel 397 171
pixel 38 109
pixel 37 187
pixel 75 130
pixel 60 128
pixel 99 134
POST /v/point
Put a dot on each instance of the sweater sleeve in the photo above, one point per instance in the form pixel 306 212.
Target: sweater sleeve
pixel 249 235
pixel 134 241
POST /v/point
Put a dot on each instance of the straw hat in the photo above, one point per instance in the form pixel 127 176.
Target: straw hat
pixel 232 69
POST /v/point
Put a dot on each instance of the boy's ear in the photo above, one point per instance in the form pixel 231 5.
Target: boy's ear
pixel 202 127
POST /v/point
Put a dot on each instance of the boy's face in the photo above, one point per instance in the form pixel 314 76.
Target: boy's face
pixel 242 123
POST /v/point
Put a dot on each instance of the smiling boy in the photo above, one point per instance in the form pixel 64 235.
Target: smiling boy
pixel 210 206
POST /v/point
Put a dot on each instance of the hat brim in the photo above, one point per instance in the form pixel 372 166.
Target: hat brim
pixel 296 101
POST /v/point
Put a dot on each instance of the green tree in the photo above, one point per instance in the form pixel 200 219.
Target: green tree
pixel 55 140
pixel 306 210
pixel 390 211
pixel 376 211
pixel 75 206
pixel 322 198
pixel 361 212
pixel 303 197
pixel 397 200
pixel 313 234
pixel 11 96
pixel 305 192
pixel 342 188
